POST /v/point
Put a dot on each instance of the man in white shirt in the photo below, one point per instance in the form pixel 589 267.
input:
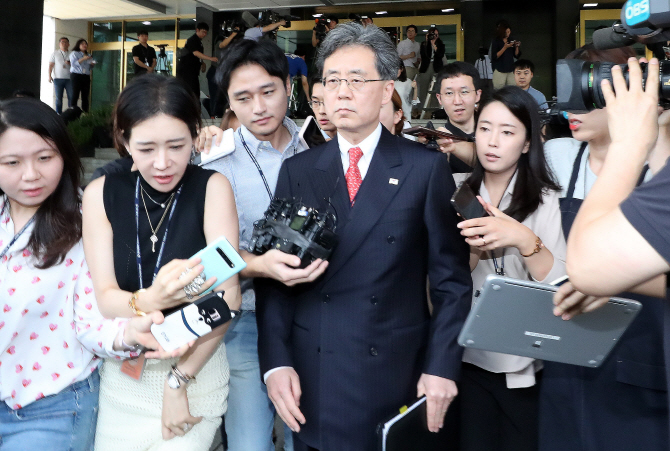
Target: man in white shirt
pixel 59 73
pixel 343 352
pixel 408 50
pixel 257 32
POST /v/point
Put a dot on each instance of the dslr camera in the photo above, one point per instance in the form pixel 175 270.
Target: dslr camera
pixel 232 26
pixel 291 227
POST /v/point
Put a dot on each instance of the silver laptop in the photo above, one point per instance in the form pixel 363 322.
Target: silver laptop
pixel 515 317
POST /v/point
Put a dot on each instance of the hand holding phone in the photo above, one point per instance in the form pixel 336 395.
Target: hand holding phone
pixel 220 260
pixel 466 204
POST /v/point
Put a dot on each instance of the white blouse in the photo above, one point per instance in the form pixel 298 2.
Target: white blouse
pixel 545 222
pixel 50 325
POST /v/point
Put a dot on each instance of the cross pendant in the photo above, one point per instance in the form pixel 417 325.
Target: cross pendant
pixel 154 240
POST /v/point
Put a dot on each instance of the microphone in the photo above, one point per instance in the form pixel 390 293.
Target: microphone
pixel 607 38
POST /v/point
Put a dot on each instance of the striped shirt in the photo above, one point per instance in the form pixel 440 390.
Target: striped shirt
pixel 251 197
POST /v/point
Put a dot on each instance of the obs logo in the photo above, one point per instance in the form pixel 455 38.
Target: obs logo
pixel 637 11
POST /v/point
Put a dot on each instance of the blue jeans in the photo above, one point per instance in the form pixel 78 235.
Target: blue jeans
pixel 250 416
pixel 62 422
pixel 61 84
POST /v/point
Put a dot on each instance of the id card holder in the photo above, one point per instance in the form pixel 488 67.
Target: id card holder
pixel 134 368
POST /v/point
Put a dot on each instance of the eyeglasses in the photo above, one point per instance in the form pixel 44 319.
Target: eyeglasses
pixel 315 104
pixel 355 83
pixel 450 94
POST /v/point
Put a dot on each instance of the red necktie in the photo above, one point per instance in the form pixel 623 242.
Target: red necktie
pixel 353 175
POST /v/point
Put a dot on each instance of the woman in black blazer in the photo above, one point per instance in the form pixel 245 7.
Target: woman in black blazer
pixel 432 52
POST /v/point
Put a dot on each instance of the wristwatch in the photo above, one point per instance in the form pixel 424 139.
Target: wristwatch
pixel 176 378
pixel 173 381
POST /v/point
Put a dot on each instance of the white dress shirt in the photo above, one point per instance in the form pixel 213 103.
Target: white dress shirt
pixel 367 146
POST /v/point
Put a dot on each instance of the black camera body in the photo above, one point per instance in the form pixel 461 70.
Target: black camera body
pixel 431 35
pixel 291 227
pixel 269 17
pixel 321 28
pixel 232 26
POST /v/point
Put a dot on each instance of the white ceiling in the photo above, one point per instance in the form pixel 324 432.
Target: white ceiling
pixel 101 9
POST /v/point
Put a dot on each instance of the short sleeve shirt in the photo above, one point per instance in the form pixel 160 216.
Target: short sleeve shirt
pixel 61 62
pixel 296 65
pixel 406 47
pixel 648 211
pixel 147 55
pixel 253 34
pixel 190 62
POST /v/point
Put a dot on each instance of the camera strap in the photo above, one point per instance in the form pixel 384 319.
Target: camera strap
pixel 258 166
pixel 137 223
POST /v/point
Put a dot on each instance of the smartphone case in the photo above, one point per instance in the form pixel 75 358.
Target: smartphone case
pixel 466 203
pixel 191 321
pixel 221 261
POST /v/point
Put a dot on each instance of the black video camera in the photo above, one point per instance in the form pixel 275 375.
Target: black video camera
pixel 356 18
pixel 269 17
pixel 578 83
pixel 161 52
pixel 321 28
pixel 291 227
pixel 232 26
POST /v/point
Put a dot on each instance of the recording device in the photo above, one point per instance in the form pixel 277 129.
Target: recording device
pixel 321 28
pixel 192 321
pixel 578 83
pixel 466 204
pixel 431 35
pixel 644 21
pixel 220 260
pixel 291 227
pixel 356 18
pixel 433 135
pixel 229 27
pixel 310 133
pixel 269 17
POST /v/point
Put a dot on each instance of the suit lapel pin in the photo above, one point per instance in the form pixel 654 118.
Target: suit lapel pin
pixel 393 181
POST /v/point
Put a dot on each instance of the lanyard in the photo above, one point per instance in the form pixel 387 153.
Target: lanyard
pixel 499 270
pixel 17 236
pixel 258 166
pixel 137 223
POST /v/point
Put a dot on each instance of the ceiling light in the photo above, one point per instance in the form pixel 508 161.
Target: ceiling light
pixel 194 20
pixel 590 5
pixel 448 10
pixel 146 22
pixel 380 12
pixel 317 15
pixel 425 31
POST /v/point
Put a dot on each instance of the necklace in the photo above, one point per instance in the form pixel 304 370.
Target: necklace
pixel 162 205
pixel 154 238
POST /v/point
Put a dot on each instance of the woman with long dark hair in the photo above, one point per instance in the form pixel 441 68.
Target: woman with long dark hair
pixel 50 326
pixel 521 239
pixel 81 63
pixel 140 228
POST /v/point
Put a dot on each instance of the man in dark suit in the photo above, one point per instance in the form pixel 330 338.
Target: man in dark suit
pixel 341 354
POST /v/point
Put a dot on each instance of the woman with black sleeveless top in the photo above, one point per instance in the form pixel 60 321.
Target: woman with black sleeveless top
pixel 139 229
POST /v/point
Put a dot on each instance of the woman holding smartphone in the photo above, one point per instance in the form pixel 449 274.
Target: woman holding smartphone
pixel 522 239
pixel 81 63
pixel 51 331
pixel 140 228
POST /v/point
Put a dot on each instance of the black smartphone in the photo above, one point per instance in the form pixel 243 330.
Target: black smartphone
pixel 435 134
pixel 310 133
pixel 467 205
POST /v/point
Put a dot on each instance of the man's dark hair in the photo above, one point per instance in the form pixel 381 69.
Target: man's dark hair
pixel 300 51
pixel 456 69
pixel 58 219
pixel 64 38
pixel 148 96
pixel 524 64
pixel 142 32
pixel 202 26
pixel 265 53
pixel 315 79
pixel 416 30
pixel 334 19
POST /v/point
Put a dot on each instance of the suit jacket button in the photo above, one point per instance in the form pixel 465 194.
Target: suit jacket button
pixel 326 299
pixel 318 350
pixel 373 351
pixel 373 300
pixel 390 239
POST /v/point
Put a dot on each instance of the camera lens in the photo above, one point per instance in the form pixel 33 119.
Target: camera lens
pixel 579 89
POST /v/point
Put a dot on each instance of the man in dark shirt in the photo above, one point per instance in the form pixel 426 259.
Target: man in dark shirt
pixel 144 56
pixel 189 62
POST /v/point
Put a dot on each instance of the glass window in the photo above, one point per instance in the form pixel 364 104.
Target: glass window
pixel 105 78
pixel 159 30
pixel 289 40
pixel 107 31
pixel 186 28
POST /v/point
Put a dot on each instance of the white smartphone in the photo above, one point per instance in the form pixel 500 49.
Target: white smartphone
pixel 192 321
pixel 227 146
